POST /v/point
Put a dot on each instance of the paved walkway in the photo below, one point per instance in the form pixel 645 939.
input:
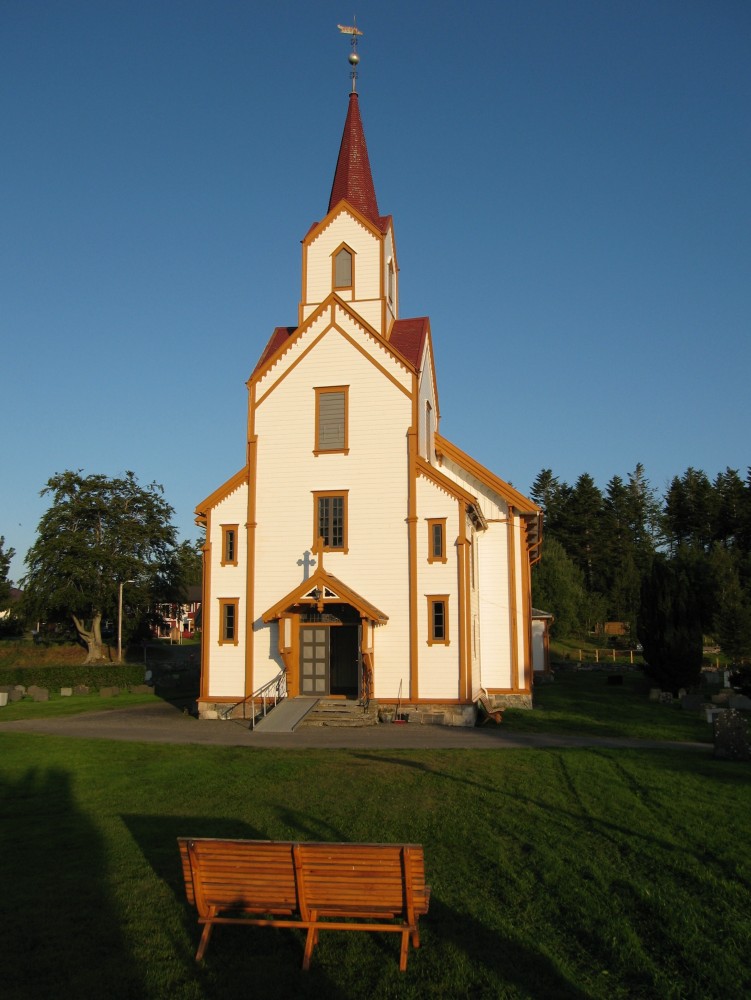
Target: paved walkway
pixel 161 722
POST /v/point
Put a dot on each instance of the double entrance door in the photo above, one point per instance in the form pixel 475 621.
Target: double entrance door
pixel 330 660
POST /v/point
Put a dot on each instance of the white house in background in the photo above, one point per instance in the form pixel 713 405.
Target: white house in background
pixel 356 542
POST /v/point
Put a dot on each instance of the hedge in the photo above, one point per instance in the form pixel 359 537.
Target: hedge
pixel 94 676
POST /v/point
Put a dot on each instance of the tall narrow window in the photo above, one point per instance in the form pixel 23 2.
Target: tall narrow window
pixel 437 539
pixel 428 431
pixel 343 268
pixel 438 620
pixel 228 621
pixel 332 406
pixel 331 520
pixel 229 545
pixel 391 282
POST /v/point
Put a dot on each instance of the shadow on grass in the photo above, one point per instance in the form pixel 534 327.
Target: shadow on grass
pixel 496 961
pixel 240 960
pixel 65 928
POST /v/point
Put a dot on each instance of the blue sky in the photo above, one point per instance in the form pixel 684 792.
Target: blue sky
pixel 570 190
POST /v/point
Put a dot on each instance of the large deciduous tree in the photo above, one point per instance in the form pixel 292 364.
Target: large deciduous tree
pixel 98 533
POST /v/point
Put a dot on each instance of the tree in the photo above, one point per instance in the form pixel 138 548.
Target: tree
pixel 97 534
pixel 670 627
pixel 5 558
pixel 689 510
pixel 731 605
pixel 558 587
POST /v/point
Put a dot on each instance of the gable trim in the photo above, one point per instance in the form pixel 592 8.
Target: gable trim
pixel 220 494
pixel 339 593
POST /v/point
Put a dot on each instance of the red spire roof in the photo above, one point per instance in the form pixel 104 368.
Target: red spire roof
pixel 353 179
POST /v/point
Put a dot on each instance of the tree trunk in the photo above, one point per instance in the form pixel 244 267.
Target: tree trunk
pixel 92 637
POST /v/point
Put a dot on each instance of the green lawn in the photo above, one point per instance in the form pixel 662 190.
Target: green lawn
pixel 584 703
pixel 577 702
pixel 555 873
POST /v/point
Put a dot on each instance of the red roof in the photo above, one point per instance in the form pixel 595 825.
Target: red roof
pixel 408 337
pixel 278 337
pixel 353 179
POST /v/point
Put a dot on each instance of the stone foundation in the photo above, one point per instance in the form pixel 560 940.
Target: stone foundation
pixel 435 714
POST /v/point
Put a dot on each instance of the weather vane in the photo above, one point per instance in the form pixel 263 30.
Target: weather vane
pixel 354 58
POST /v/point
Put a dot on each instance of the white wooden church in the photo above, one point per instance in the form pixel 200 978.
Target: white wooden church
pixel 358 552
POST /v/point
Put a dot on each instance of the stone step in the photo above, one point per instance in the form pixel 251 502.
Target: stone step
pixel 338 712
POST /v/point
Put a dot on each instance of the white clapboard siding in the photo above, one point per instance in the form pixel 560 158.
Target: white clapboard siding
pixel 438 665
pixel 366 247
pixel 374 476
pixel 494 607
pixel 226 661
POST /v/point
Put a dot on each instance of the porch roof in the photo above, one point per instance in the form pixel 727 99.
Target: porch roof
pixel 333 591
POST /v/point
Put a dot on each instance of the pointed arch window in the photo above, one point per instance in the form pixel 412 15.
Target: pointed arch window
pixel 344 268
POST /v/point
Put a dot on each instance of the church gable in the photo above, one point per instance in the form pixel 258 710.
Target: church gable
pixel 343 255
pixel 332 320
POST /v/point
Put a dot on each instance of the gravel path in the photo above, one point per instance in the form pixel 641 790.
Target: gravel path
pixel 163 723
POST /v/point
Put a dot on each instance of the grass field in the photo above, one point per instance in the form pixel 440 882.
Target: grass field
pixel 555 873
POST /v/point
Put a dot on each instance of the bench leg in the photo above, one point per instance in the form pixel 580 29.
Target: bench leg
pixel 204 942
pixel 404 951
pixel 311 941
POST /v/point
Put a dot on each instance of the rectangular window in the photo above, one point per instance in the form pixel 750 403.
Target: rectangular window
pixel 331 520
pixel 229 545
pixel 332 404
pixel 437 539
pixel 229 624
pixel 438 620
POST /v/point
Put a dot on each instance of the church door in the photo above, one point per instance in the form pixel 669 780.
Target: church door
pixel 314 661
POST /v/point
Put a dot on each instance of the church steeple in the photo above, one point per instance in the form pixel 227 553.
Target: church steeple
pixel 353 179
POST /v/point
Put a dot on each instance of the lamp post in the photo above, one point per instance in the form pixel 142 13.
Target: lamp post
pixel 120 620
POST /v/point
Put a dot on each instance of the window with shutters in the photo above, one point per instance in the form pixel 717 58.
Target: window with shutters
pixel 438 620
pixel 331 431
pixel 330 520
pixel 344 268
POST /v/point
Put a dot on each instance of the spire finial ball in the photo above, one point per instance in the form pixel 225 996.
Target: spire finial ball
pixel 354 59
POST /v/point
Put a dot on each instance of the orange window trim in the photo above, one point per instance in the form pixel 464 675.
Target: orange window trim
pixel 229 544
pixel 229 614
pixel 322 494
pixel 320 392
pixel 348 249
pixel 433 601
pixel 440 523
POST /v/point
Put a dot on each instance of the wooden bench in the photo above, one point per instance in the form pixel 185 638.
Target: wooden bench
pixel 487 712
pixel 311 886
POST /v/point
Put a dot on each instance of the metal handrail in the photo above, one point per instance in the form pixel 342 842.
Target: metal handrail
pixel 272 691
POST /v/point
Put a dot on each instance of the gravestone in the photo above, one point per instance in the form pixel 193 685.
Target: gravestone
pixel 692 702
pixel 109 692
pixel 66 692
pixel 731 741
pixel 81 689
